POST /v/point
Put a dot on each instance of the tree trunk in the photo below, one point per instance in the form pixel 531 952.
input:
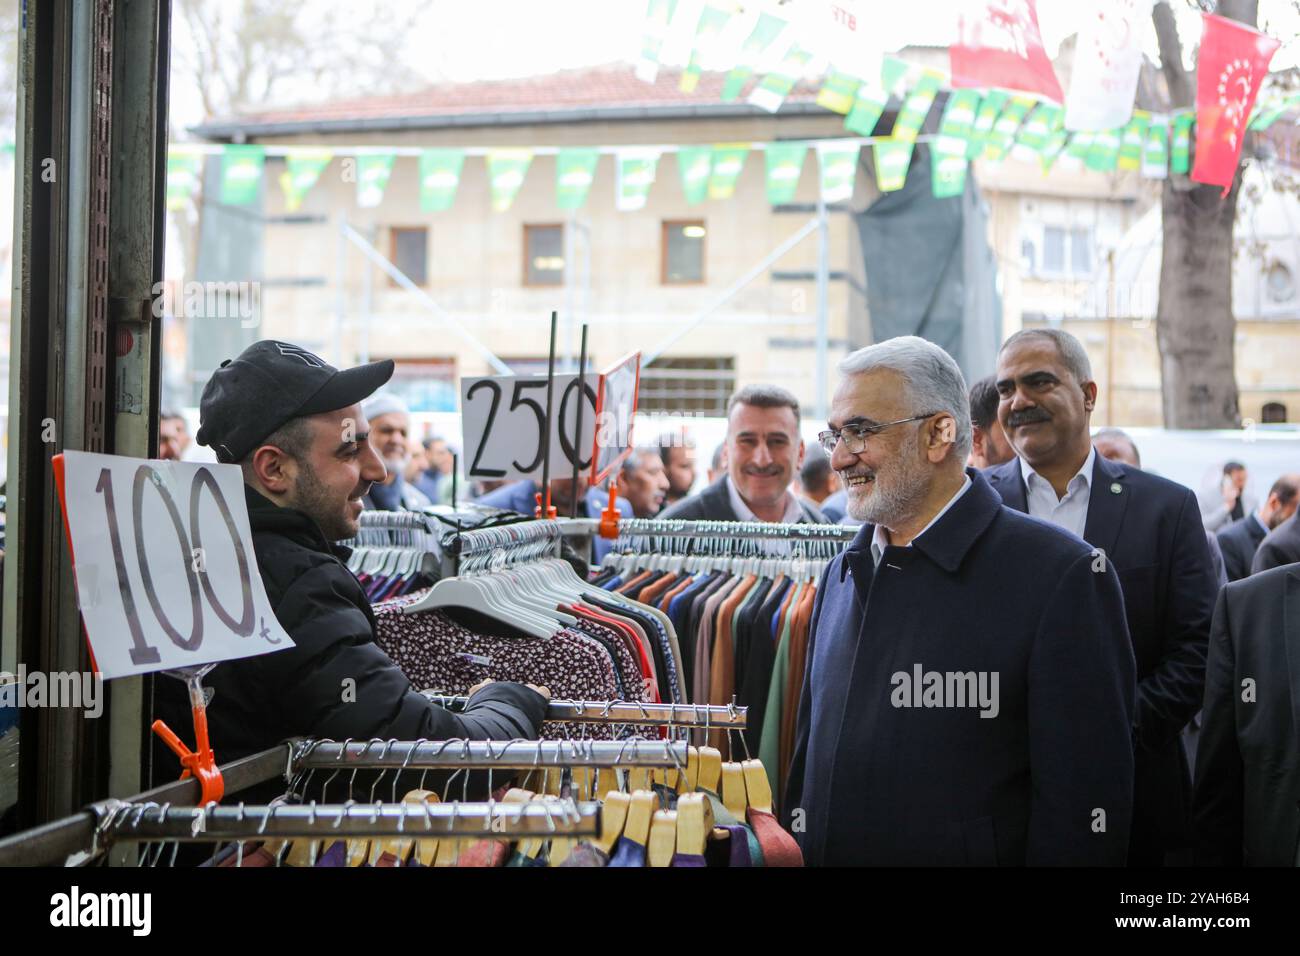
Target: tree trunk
pixel 1195 327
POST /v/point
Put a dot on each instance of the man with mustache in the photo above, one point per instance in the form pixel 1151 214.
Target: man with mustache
pixel 1038 772
pixel 1147 527
pixel 295 427
pixel 763 452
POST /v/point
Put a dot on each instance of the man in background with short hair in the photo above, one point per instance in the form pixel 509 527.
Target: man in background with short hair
pixel 821 485
pixel 989 445
pixel 677 455
pixel 173 436
pixel 643 482
pixel 1241 540
pixel 1229 501
pixel 390 430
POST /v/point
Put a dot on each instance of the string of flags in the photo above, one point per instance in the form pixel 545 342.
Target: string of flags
pixel 1001 97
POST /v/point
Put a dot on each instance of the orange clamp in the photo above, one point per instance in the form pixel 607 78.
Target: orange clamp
pixel 550 511
pixel 609 517
pixel 202 765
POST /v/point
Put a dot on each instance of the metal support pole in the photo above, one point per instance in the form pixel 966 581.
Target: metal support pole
pixel 823 309
pixel 582 402
pixel 340 295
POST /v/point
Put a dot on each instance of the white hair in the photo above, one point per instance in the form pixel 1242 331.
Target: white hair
pixel 934 383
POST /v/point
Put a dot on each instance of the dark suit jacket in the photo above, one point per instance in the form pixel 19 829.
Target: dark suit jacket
pixel 1282 546
pixel 714 504
pixel 1150 529
pixel 1239 541
pixel 875 783
pixel 1248 763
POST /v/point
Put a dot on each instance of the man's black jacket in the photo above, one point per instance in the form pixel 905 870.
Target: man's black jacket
pixel 306 690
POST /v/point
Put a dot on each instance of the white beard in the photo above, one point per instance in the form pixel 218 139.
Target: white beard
pixel 893 496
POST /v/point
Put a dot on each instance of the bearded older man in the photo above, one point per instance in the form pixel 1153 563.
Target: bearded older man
pixel 390 430
pixel 942 722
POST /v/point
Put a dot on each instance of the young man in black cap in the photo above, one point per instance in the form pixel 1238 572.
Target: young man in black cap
pixel 294 424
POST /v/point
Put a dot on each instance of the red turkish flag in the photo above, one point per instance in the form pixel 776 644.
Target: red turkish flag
pixel 1230 68
pixel 1004 49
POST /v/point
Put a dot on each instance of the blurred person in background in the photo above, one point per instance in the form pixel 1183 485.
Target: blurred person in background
pixel 1281 546
pixel 417 474
pixel 173 436
pixel 821 485
pixel 677 455
pixel 990 446
pixel 1229 502
pixel 390 433
pixel 643 482
pixel 1241 540
pixel 718 463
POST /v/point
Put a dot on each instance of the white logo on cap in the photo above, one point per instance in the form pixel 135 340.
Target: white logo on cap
pixel 299 352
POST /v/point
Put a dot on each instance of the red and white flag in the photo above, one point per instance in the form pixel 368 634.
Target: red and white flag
pixel 1003 48
pixel 1230 68
pixel 1106 65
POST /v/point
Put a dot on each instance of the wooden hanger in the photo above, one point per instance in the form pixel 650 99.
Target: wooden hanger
pixel 608 781
pixel 663 838
pixel 613 815
pixel 688 780
pixel 710 769
pixel 757 787
pixel 640 813
pixel 532 847
pixel 733 794
pixel 694 823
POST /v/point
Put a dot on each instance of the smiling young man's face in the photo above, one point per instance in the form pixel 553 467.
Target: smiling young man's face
pixel 1042 408
pixel 336 472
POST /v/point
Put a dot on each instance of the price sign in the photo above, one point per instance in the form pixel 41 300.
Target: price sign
pixel 164 564
pixel 504 420
pixel 619 386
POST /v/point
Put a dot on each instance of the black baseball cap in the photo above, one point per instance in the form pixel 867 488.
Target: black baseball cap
pixel 270 383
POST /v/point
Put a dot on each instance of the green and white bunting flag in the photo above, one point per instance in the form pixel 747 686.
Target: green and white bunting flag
pixel 784 167
pixel 987 114
pixel 636 173
pixel 1052 148
pixel 892 72
pixel 241 174
pixel 959 114
pixel 839 166
pixel 1104 153
pixel 1180 149
pixel 1133 139
pixel 776 86
pixel 659 13
pixel 892 158
pixel 916 107
pixel 872 97
pixel 999 141
pixel 765 31
pixel 439 178
pixel 1045 120
pixel 728 161
pixel 711 23
pixel 838 92
pixel 694 164
pixel 574 171
pixel 183 171
pixel 948 151
pixel 300 174
pixel 506 171
pixel 373 170
pixel 1080 145
pixel 1155 154
pixel 1266 115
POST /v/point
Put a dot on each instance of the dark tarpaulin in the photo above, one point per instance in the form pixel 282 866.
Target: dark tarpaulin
pixel 930 270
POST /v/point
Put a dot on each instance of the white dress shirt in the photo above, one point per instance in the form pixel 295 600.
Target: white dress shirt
pixel 1070 512
pixel 793 513
pixel 880 537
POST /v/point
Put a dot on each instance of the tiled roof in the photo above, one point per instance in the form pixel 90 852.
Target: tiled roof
pixel 561 94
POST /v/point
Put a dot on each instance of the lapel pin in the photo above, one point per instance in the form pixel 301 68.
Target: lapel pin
pixel 1115 488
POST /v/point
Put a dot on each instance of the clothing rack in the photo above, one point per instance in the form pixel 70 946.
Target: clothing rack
pixel 484 549
pixel 121 820
pixel 733 530
pixel 485 754
pixel 705 716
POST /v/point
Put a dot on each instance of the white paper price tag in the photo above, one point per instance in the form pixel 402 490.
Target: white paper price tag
pixel 620 385
pixel 164 564
pixel 504 419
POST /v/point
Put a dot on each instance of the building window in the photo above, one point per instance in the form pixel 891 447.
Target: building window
pixel 1067 252
pixel 409 251
pixel 544 255
pixel 1274 413
pixel 688 385
pixel 426 384
pixel 682 256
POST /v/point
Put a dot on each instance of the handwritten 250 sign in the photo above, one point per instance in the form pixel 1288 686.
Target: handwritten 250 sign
pixel 164 564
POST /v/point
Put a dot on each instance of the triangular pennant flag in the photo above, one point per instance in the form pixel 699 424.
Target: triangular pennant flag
pixel 1104 153
pixel 1231 65
pixel 776 86
pixel 373 170
pixel 241 173
pixel 728 161
pixel 765 31
pixel 694 164
pixel 1107 60
pixel 837 92
pixel 987 114
pixel 711 23
pixel 948 165
pixel 1180 149
pixel 1155 154
pixel 1000 46
pixel 506 171
pixel 892 71
pixel 183 169
pixel 1052 148
pixel 301 172
pixel 636 173
pixel 839 166
pixel 1039 126
pixel 868 105
pixel 439 178
pixel 1006 126
pixel 1080 145
pixel 1133 139
pixel 784 166
pixel 574 171
pixel 1269 114
pixel 659 13
pixel 959 114
pixel 892 158
pixel 916 107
